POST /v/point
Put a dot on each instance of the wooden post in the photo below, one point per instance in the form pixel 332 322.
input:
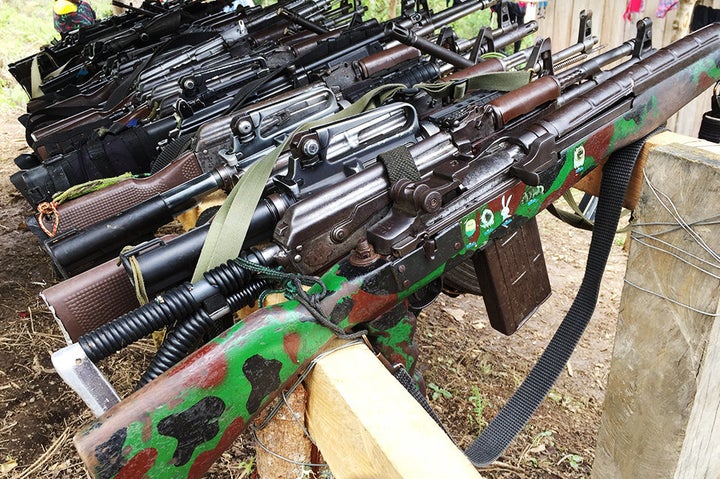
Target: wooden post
pixel 662 403
pixel 367 426
pixel 285 439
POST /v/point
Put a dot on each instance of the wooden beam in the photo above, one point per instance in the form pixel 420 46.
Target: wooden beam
pixel 662 405
pixel 367 426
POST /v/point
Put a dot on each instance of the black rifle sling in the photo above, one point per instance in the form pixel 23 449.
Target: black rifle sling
pixel 710 125
pixel 127 84
pixel 522 405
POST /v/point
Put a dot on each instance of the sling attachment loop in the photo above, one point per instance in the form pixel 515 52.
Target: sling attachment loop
pixel 399 164
pixel 137 278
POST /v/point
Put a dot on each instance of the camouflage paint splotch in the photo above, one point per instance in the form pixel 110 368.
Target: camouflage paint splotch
pixel 392 335
pixel 187 417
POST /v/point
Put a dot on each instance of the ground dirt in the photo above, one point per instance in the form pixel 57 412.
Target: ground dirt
pixel 471 370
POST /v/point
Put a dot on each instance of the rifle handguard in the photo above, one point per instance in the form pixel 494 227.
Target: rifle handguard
pixel 99 205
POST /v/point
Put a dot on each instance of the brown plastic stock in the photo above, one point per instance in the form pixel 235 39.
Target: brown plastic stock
pixel 90 299
pixel 99 205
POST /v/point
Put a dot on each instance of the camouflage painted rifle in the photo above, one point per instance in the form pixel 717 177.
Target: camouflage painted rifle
pixel 177 425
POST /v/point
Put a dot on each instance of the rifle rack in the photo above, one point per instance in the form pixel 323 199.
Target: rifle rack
pixel 662 402
pixel 368 426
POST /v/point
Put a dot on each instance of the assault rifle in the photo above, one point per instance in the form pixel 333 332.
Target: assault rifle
pixel 39 183
pixel 463 200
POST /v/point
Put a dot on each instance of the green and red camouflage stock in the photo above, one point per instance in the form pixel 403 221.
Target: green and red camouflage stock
pixel 177 425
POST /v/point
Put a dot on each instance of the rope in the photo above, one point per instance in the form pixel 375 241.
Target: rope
pixel 141 293
pixel 293 288
pixel 46 210
pixel 77 191
pixel 137 277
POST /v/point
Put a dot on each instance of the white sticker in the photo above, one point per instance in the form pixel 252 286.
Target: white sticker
pixel 579 159
pixel 487 218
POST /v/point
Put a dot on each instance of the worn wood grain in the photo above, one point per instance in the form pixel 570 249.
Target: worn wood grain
pixel 367 426
pixel 661 409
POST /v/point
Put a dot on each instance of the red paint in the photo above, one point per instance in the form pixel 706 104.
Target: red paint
pixel 598 144
pixel 139 465
pixel 206 459
pixel 147 429
pixel 366 305
pixel 291 345
pixel 206 368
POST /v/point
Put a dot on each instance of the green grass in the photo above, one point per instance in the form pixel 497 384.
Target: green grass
pixel 465 28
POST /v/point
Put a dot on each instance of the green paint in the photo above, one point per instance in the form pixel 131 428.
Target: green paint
pixel 396 339
pixel 237 347
pixel 705 66
pixel 332 280
pixel 432 276
pixel 266 330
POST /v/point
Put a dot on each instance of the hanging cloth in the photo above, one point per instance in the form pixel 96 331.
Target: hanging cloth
pixel 665 6
pixel 633 6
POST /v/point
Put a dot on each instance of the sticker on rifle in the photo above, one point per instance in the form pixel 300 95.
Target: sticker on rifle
pixel 487 219
pixel 531 193
pixel 505 212
pixel 579 159
pixel 470 227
